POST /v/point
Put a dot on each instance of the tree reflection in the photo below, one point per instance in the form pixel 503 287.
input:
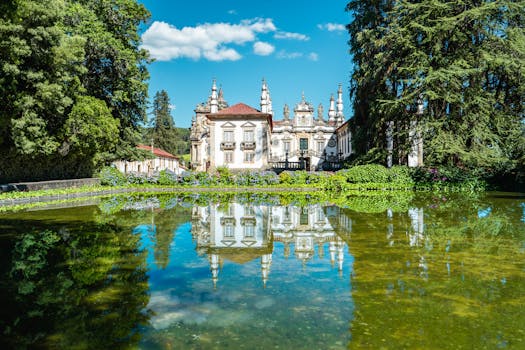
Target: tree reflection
pixel 73 287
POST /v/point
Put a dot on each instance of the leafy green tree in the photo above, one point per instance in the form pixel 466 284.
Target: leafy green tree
pixel 53 55
pixel 464 59
pixel 91 127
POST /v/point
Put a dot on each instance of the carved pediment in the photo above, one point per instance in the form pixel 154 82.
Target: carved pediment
pixel 228 125
pixel 248 125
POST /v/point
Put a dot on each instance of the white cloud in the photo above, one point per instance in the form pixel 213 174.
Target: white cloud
pixel 332 27
pixel 166 42
pixel 289 55
pixel 260 25
pixel 312 56
pixel 232 12
pixel 293 36
pixel 263 49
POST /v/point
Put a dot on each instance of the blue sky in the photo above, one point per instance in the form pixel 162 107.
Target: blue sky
pixel 295 45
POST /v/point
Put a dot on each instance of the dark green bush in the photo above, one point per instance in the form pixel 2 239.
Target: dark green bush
pixel 167 177
pixel 111 176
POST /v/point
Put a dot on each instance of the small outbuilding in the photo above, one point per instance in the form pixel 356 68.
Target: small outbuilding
pixel 162 161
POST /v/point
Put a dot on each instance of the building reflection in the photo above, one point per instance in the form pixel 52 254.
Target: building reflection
pixel 243 232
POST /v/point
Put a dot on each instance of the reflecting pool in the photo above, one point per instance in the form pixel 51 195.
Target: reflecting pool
pixel 249 272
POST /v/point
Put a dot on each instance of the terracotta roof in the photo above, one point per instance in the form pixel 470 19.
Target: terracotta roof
pixel 239 108
pixel 157 151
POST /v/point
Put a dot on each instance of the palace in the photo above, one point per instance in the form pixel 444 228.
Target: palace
pixel 241 137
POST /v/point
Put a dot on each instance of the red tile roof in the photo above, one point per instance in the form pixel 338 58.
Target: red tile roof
pixel 157 151
pixel 239 109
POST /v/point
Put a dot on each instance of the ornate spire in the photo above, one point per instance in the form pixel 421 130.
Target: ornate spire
pixel 286 112
pixel 214 103
pixel 266 261
pixel 331 111
pixel 264 97
pixel 269 99
pixel 339 112
pixel 214 266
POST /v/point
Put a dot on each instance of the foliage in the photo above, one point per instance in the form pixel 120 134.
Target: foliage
pixel 90 127
pixel 447 178
pixel 167 177
pixel 225 176
pixel 72 85
pixel 111 176
pixel 362 177
pixel 366 173
pixel 71 281
pixel 162 133
pixel 462 60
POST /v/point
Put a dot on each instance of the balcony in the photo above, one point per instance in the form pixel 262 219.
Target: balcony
pixel 227 220
pixel 248 221
pixel 248 145
pixel 227 145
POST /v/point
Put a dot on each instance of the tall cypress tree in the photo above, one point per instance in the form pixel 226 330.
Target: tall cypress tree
pixel 164 134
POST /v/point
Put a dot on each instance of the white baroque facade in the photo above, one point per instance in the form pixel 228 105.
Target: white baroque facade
pixel 241 137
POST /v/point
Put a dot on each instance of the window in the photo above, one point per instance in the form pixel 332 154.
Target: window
pixel 249 231
pixel 303 144
pixel 320 215
pixel 248 211
pixel 231 210
pixel 249 157
pixel 228 136
pixel 228 157
pixel 287 216
pixel 228 231
pixel 303 219
pixel 320 146
pixel 286 146
pixel 249 136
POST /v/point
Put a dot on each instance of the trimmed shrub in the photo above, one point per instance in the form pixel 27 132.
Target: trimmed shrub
pixel 366 173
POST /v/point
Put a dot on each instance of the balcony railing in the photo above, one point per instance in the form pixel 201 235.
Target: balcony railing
pixel 246 145
pixel 227 145
pixel 227 220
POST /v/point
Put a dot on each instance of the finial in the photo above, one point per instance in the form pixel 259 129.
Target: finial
pixel 320 111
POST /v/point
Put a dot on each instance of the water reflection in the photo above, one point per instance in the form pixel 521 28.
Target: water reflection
pixel 243 232
pixel 165 272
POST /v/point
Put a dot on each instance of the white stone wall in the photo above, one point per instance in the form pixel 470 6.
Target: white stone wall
pixel 344 141
pixel 149 165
